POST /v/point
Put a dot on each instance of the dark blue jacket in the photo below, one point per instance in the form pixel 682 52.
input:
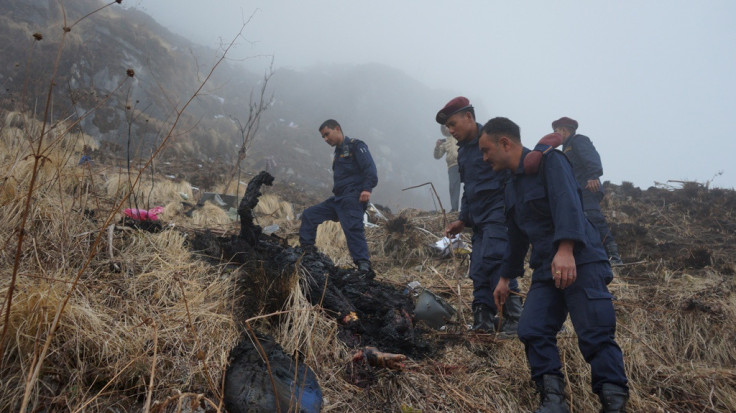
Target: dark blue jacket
pixel 482 200
pixel 585 160
pixel 543 209
pixel 353 168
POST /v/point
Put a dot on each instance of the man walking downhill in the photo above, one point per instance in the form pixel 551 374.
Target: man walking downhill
pixel 570 270
pixel 482 209
pixel 447 147
pixel 587 167
pixel 354 177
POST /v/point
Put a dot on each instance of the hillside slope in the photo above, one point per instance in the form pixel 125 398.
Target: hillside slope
pixel 104 313
pixel 107 313
pixel 387 109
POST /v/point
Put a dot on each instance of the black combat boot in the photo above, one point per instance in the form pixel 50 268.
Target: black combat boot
pixel 308 249
pixel 613 398
pixel 613 256
pixel 552 395
pixel 364 266
pixel 482 318
pixel 511 315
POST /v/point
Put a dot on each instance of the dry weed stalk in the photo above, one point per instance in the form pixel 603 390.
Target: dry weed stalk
pixel 41 158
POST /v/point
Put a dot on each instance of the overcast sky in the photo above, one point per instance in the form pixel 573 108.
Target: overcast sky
pixel 653 84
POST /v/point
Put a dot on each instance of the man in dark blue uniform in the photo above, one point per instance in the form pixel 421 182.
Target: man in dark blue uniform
pixel 587 168
pixel 570 270
pixel 482 209
pixel 354 175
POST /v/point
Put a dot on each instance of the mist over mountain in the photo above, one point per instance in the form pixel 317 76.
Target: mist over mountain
pixel 390 111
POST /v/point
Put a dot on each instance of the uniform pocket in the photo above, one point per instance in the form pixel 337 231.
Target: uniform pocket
pixel 494 246
pixel 600 308
pixel 536 200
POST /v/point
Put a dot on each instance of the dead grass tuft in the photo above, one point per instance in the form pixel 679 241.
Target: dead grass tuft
pixel 142 292
pixel 272 206
pixel 211 216
pixel 331 241
pixel 148 193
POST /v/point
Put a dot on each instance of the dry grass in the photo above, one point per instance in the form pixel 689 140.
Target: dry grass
pixel 148 193
pixel 141 296
pixel 331 241
pixel 211 216
pixel 144 298
pixel 273 207
pixel 235 188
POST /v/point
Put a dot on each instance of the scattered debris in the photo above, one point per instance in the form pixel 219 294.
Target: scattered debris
pixel 224 201
pixel 429 307
pixel 448 246
pixel 377 358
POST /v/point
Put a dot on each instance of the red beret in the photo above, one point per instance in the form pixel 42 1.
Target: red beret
pixel 452 107
pixel 565 122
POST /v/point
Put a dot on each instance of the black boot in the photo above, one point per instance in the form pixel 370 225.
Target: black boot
pixel 511 315
pixel 365 270
pixel 308 249
pixel 613 398
pixel 613 256
pixel 551 395
pixel 364 266
pixel 482 318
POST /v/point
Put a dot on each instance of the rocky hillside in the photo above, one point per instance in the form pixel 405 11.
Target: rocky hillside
pixel 392 112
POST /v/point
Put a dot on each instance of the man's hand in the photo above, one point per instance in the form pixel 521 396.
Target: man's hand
pixel 439 142
pixel 593 185
pixel 501 293
pixel 454 228
pixel 564 271
pixel 365 196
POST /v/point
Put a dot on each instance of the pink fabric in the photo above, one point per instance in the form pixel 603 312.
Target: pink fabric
pixel 142 214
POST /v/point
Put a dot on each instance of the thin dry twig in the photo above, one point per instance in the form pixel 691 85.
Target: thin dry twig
pixel 117 374
pixel 147 405
pixel 199 352
pixel 264 356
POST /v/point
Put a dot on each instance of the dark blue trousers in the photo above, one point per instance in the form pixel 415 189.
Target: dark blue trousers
pixel 599 222
pixel 489 245
pixel 590 306
pixel 348 210
pixel 592 210
pixel 453 173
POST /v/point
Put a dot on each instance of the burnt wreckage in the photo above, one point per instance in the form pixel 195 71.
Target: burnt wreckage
pixel 371 315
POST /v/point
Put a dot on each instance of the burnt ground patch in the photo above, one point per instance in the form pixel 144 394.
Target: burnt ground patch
pixel 369 312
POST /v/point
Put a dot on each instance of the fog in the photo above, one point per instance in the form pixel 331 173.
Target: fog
pixel 651 84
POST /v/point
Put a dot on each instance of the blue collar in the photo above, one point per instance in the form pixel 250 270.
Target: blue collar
pixel 343 148
pixel 520 168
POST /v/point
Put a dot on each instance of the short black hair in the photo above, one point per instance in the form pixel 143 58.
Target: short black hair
pixel 329 123
pixel 501 126
pixel 470 109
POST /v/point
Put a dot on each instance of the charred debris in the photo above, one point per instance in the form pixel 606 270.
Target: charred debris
pixel 374 318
